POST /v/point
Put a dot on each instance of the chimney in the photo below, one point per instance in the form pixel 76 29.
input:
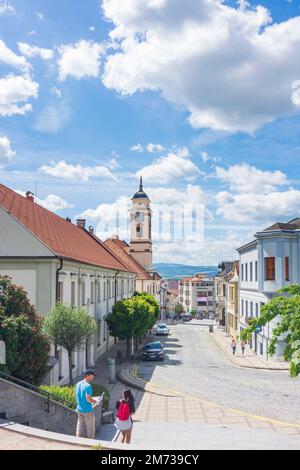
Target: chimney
pixel 81 223
pixel 91 229
pixel 68 219
pixel 30 196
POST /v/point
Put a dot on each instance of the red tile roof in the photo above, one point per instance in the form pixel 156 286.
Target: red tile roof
pixel 119 248
pixel 65 239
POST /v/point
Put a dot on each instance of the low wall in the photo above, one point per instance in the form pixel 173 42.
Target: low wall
pixel 24 406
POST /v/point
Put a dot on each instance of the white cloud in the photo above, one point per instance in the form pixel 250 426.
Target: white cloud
pixel 151 148
pixel 76 172
pixel 34 51
pixel 5 7
pixel 40 16
pixel 248 179
pixel 177 165
pixel 52 202
pixel 276 206
pixel 92 28
pixel 6 152
pixel 113 164
pixel 137 148
pixel 53 117
pixel 8 57
pixel 15 90
pixel 80 60
pixel 56 92
pixel 233 66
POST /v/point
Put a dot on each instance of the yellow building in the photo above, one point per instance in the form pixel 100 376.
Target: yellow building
pixel 232 301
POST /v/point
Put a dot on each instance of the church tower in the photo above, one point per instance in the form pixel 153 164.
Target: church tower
pixel 140 228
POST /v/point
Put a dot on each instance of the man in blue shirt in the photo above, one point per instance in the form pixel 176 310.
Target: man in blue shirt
pixel 85 402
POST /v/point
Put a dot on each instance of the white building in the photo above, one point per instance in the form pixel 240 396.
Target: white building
pixel 268 263
pixel 197 294
pixel 55 260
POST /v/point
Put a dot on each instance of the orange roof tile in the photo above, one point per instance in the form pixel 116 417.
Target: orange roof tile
pixel 119 248
pixel 65 239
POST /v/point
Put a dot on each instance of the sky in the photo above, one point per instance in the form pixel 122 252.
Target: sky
pixel 201 98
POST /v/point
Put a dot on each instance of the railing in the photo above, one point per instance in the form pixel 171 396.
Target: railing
pixel 36 389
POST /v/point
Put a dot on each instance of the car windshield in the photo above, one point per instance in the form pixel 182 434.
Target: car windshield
pixel 153 346
pixel 162 326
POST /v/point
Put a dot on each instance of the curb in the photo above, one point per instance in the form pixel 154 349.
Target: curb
pixel 227 354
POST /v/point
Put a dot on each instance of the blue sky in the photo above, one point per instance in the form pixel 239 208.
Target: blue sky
pixel 201 100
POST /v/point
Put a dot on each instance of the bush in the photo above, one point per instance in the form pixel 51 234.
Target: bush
pixel 68 393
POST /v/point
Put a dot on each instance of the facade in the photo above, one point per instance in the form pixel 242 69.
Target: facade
pixel 268 263
pixel 232 301
pixel 196 294
pixel 172 296
pixel 55 260
pixel 149 282
pixel 220 289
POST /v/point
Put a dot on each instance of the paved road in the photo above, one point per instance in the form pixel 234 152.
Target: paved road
pixel 196 366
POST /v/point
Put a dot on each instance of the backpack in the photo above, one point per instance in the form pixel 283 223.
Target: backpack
pixel 123 411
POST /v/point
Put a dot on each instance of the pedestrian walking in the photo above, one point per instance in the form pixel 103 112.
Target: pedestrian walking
pixel 85 402
pixel 243 347
pixel 125 410
pixel 233 346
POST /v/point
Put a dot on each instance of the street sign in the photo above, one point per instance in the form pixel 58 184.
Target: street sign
pixel 2 353
pixel 258 329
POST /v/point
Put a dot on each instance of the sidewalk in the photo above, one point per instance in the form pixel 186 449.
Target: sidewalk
pixel 250 360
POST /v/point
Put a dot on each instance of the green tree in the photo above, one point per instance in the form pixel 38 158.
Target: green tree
pixel 287 307
pixel 70 328
pixel 130 319
pixel 178 309
pixel 151 300
pixel 27 347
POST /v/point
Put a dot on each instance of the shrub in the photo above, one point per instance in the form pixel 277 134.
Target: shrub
pixel 68 393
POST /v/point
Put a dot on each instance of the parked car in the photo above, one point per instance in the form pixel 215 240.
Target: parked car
pixel 185 317
pixel 153 351
pixel 162 330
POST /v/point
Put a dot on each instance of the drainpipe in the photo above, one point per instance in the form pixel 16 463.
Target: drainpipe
pixel 57 299
pixel 57 276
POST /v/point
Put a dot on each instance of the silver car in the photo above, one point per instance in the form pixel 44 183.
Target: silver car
pixel 162 330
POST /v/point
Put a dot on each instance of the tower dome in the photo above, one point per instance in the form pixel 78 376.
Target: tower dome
pixel 140 194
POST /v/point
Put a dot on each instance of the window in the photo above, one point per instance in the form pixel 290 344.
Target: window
pixel 73 294
pixel 251 309
pixel 242 306
pixel 287 268
pixel 104 290
pixel 83 293
pixel 256 271
pixel 242 273
pixel 98 291
pixel 60 293
pixel 256 311
pixel 92 292
pixel 251 272
pixel 270 269
pixel 246 308
pixel 246 272
pixel 99 333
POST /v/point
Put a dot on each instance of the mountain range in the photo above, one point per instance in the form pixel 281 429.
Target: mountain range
pixel 178 271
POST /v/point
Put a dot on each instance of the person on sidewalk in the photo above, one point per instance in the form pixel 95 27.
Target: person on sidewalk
pixel 123 420
pixel 243 347
pixel 233 346
pixel 85 402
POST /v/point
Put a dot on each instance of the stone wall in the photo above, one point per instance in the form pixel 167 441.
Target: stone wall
pixel 24 406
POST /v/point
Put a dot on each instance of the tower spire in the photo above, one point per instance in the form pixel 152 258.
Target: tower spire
pixel 141 183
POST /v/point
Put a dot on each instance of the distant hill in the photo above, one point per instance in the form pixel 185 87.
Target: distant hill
pixel 177 271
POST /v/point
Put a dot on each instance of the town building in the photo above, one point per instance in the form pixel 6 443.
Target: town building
pixel 196 295
pixel 268 263
pixel 56 260
pixel 172 296
pixel 220 290
pixel 232 301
